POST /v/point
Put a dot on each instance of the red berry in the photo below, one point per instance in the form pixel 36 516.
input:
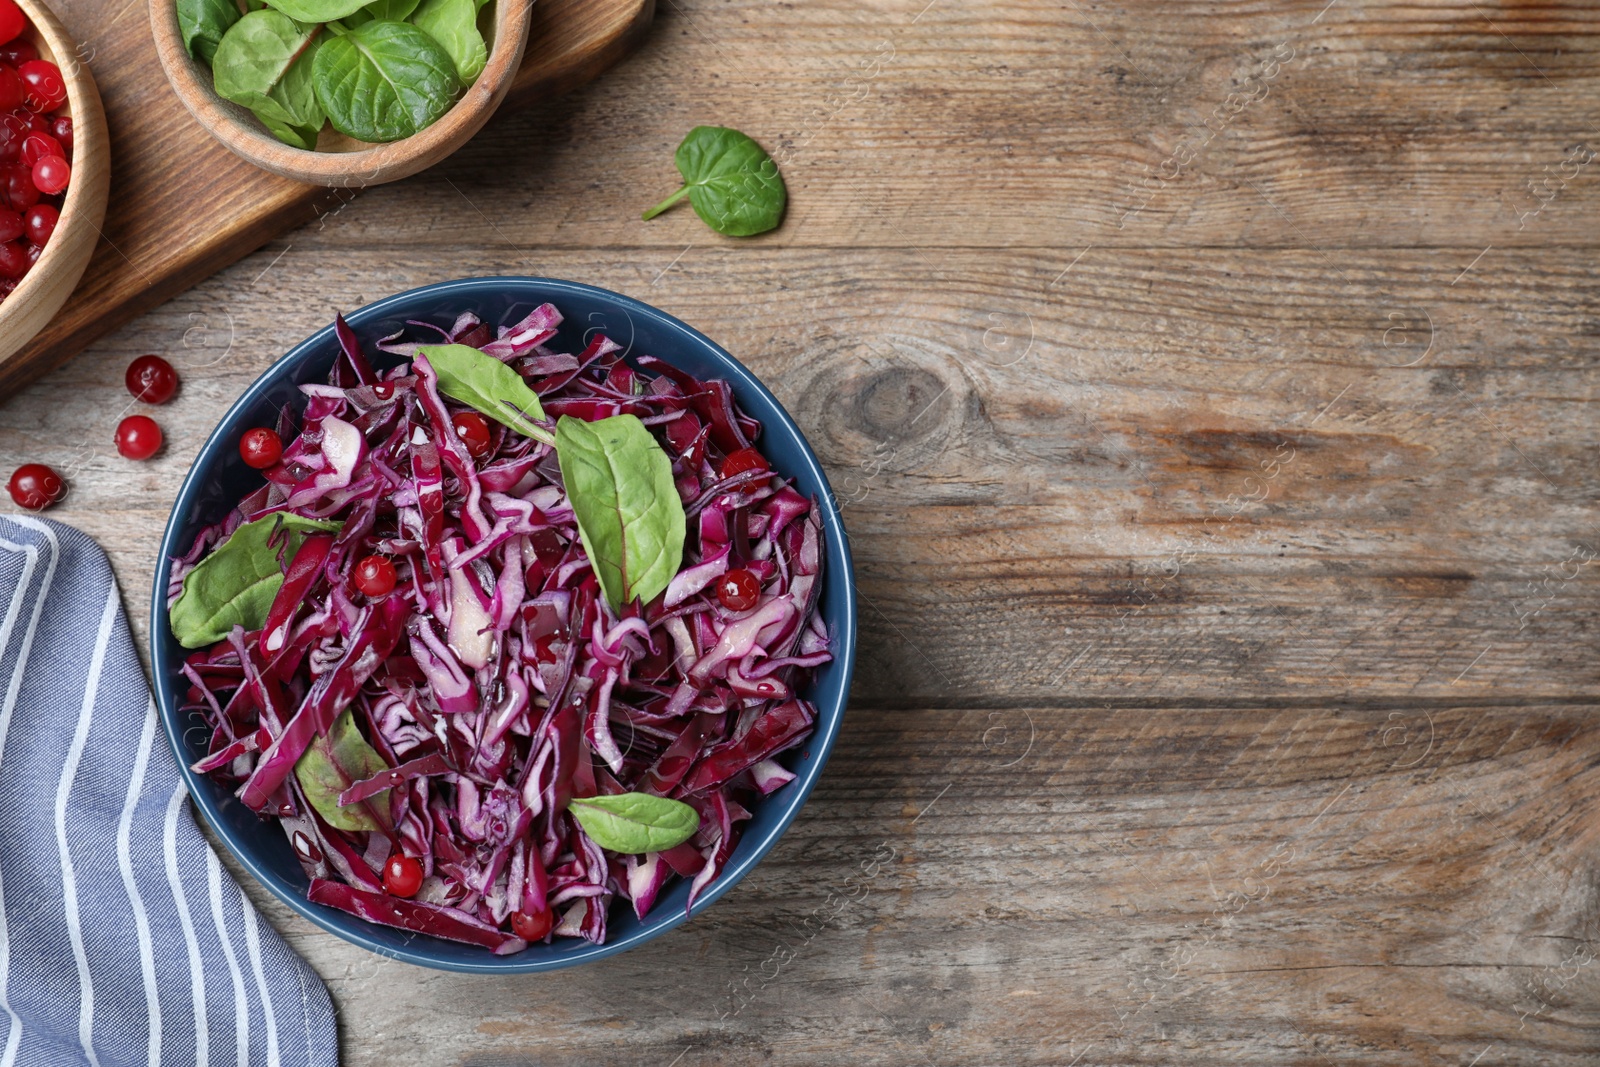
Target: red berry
pixel 260 447
pixel 12 21
pixel 11 225
pixel 738 590
pixel 17 52
pixel 36 146
pixel 10 87
pixel 61 130
pixel 16 185
pixel 402 876
pixel 35 486
pixel 40 223
pixel 746 459
pixel 149 378
pixel 532 927
pixel 13 130
pixel 473 429
pixel 51 174
pixel 45 87
pixel 14 262
pixel 138 437
pixel 374 576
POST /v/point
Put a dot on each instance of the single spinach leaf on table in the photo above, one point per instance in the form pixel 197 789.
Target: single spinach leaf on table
pixel 202 24
pixel 632 823
pixel 477 378
pixel 730 180
pixel 265 62
pixel 384 80
pixel 333 764
pixel 236 583
pixel 454 24
pixel 630 518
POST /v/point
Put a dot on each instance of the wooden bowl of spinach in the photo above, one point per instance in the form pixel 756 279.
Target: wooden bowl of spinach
pixel 341 92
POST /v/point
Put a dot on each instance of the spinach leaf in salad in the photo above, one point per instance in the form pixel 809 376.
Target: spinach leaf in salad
pixel 202 24
pixel 264 62
pixel 332 764
pixel 482 381
pixel 730 180
pixel 630 517
pixel 454 24
pixel 393 10
pixel 236 583
pixel 384 80
pixel 317 11
pixel 633 823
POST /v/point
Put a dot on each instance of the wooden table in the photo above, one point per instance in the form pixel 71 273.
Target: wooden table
pixel 1212 389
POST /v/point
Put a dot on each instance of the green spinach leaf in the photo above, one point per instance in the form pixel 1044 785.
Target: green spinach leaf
pixel 333 764
pixel 384 80
pixel 235 584
pixel 632 823
pixel 630 517
pixel 733 184
pixel 478 379
pixel 202 24
pixel 264 62
pixel 393 10
pixel 454 24
pixel 295 136
pixel 315 11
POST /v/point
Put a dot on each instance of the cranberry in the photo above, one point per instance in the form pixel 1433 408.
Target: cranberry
pixel 746 459
pixel 260 447
pixel 14 261
pixel 35 486
pixel 12 21
pixel 40 223
pixel 402 876
pixel 17 52
pixel 532 927
pixel 51 173
pixel 61 130
pixel 138 437
pixel 16 186
pixel 375 576
pixel 11 225
pixel 13 130
pixel 45 87
pixel 36 146
pixel 473 429
pixel 149 378
pixel 10 87
pixel 738 590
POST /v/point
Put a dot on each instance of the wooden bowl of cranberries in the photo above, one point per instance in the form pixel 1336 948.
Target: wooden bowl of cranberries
pixel 54 169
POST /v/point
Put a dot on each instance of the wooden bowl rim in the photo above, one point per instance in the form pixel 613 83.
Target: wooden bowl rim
pixel 85 203
pixel 236 129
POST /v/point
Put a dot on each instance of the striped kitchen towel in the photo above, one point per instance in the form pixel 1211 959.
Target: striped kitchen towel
pixel 122 939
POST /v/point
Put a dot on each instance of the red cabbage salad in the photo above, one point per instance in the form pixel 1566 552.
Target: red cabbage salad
pixel 507 634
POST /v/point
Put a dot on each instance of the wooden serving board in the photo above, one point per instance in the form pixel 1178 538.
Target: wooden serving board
pixel 183 206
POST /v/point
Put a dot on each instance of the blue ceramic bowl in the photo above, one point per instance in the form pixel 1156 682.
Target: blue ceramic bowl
pixel 219 479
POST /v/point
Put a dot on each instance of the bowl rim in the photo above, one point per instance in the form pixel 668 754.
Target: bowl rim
pixel 793 796
pixel 230 125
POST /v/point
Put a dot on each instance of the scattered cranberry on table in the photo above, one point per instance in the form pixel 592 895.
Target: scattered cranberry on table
pixel 138 437
pixel 260 448
pixel 150 379
pixel 33 485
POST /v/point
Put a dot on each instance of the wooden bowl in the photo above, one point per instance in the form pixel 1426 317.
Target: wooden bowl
pixel 341 161
pixel 52 279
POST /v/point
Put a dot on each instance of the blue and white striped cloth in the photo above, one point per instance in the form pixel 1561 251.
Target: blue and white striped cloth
pixel 122 939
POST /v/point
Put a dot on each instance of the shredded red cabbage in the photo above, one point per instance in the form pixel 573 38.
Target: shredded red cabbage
pixel 495 681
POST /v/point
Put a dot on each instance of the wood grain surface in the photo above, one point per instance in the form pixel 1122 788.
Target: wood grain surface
pixel 1227 691
pixel 184 206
